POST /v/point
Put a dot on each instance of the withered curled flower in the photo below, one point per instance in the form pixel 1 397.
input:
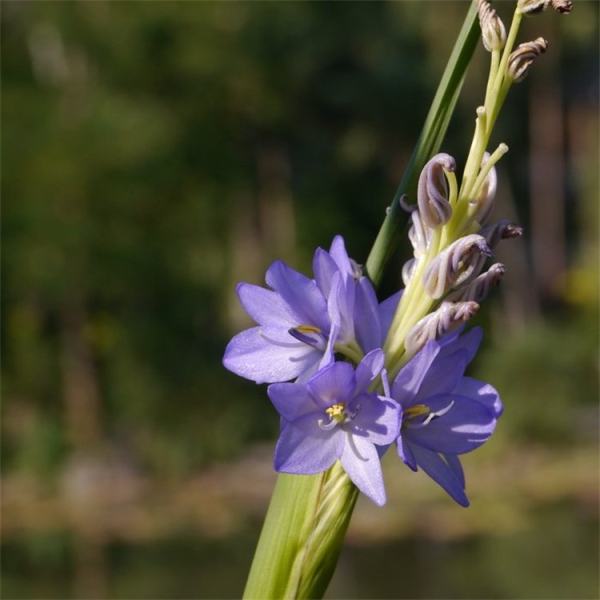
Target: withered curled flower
pixel 432 193
pixel 478 289
pixel 502 230
pixel 521 59
pixel 532 7
pixel 455 265
pixel 437 324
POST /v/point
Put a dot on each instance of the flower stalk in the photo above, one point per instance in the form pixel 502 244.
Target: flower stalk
pixel 351 376
pixel 302 535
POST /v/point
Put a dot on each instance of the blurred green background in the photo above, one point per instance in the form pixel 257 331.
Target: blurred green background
pixel 154 153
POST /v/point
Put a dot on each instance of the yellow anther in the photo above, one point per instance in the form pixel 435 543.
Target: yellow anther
pixel 417 410
pixel 308 329
pixel 336 412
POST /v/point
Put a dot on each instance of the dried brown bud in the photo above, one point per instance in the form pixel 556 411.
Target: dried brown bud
pixel 532 7
pixel 502 230
pixel 562 6
pixel 493 33
pixel 520 60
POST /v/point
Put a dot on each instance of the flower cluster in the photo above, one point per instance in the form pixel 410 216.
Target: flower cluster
pixel 352 376
pixel 326 335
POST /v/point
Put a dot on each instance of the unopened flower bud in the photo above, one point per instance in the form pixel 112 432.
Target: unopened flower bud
pixel 456 264
pixel 520 60
pixel 485 199
pixel 419 235
pixel 478 289
pixel 407 270
pixel 446 318
pixel 432 193
pixel 503 230
pixel 493 33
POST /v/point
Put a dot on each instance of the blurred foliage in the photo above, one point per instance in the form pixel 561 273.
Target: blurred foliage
pixel 150 157
pixel 155 153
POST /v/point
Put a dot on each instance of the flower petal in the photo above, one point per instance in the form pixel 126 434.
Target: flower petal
pixel 334 383
pixel 454 463
pixel 411 376
pixel 340 256
pixel 387 310
pixel 377 419
pixel 266 307
pixel 444 374
pixel 324 268
pixel 255 355
pixel 441 473
pixel 299 453
pixel 405 452
pixel 340 307
pixel 291 400
pixel 366 316
pixel 468 342
pixel 462 428
pixel 482 392
pixel 368 370
pixel 361 461
pixel 300 293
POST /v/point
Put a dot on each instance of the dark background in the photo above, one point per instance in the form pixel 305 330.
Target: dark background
pixel 155 153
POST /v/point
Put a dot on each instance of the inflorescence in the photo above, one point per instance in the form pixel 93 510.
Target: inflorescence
pixel 352 376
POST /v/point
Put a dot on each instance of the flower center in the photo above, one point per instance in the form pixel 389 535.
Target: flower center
pixel 417 410
pixel 337 412
pixel 338 415
pixel 422 410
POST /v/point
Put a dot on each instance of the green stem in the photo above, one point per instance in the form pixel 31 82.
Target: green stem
pixel 302 535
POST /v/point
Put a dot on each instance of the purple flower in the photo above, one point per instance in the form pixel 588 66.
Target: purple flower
pixel 333 417
pixel 444 413
pixel 301 322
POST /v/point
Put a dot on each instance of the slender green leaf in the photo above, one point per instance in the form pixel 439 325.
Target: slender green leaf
pixel 429 142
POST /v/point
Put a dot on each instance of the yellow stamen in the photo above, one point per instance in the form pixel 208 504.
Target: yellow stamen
pixel 337 412
pixel 308 329
pixel 416 410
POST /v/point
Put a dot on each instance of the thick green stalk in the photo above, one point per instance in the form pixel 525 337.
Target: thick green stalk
pixel 428 144
pixel 302 535
pixel 308 516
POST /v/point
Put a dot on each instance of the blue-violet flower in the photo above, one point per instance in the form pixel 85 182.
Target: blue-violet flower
pixel 301 322
pixel 333 417
pixel 444 413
